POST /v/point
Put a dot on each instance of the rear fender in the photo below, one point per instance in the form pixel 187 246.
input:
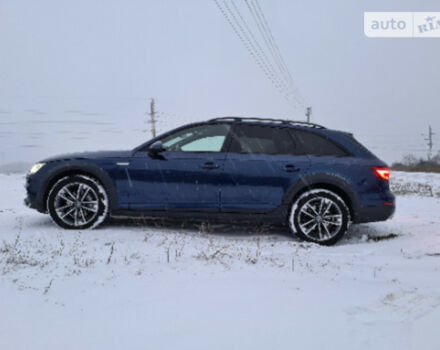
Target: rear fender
pixel 330 182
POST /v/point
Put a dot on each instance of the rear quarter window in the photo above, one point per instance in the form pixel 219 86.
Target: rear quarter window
pixel 360 146
pixel 313 144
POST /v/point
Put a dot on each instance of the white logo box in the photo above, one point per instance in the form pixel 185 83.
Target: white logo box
pixel 402 24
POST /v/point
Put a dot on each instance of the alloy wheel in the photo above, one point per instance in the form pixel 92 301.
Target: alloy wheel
pixel 76 204
pixel 320 218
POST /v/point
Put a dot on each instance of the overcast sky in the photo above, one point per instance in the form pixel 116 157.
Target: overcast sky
pixel 106 58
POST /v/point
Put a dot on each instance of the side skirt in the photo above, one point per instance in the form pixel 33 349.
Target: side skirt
pixel 278 216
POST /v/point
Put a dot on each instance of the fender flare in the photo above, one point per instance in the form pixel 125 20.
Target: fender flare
pixel 327 181
pixel 84 168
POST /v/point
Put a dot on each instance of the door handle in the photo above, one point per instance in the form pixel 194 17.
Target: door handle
pixel 210 166
pixel 290 168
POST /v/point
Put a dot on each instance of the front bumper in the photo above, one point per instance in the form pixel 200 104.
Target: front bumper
pixel 33 198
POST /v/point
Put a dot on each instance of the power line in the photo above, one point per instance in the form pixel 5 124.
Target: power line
pixel 265 31
pixel 262 55
pixel 252 45
pixel 277 49
pixel 225 15
pixel 252 48
pixel 271 38
pixel 251 39
pixel 253 10
pixel 239 31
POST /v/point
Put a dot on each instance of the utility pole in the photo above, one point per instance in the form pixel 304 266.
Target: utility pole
pixel 430 143
pixel 153 118
pixel 308 113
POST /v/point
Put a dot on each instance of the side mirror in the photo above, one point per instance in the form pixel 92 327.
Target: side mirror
pixel 156 148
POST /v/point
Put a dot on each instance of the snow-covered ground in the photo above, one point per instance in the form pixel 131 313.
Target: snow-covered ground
pixel 149 285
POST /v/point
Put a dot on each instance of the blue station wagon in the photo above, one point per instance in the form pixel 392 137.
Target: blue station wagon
pixel 315 180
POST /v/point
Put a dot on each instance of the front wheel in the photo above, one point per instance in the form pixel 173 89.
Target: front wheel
pixel 78 202
pixel 319 216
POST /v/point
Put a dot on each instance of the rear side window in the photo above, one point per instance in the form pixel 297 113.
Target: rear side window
pixel 316 145
pixel 259 139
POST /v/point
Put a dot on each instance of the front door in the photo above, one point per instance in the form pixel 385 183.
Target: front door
pixel 188 174
pixel 192 180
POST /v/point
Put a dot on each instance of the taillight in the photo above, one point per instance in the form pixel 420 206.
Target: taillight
pixel 382 173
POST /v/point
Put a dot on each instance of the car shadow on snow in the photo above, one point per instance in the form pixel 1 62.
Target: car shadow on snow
pixel 361 233
pixel 214 228
pixel 236 229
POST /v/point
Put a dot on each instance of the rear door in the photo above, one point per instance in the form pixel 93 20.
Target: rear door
pixel 260 167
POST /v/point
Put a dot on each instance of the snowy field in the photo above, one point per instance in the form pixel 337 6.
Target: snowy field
pixel 152 285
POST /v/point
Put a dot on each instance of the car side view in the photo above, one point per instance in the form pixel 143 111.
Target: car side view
pixel 315 180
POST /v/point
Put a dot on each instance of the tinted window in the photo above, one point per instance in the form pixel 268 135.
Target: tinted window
pixel 258 139
pixel 360 145
pixel 202 138
pixel 312 144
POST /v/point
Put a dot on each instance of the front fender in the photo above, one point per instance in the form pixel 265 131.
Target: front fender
pixel 65 169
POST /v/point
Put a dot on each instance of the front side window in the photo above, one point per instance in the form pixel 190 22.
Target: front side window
pixel 260 139
pixel 202 138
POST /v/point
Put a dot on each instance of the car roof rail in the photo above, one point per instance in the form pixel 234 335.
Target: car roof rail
pixel 270 120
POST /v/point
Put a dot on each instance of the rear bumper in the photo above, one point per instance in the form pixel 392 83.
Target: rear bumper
pixel 379 206
pixel 372 214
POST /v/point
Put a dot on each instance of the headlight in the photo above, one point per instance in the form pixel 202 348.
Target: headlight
pixel 35 168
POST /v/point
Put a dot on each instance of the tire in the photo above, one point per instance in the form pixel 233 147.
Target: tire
pixel 78 202
pixel 319 216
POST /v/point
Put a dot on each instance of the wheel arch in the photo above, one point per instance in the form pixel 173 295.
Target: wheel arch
pixel 81 169
pixel 328 182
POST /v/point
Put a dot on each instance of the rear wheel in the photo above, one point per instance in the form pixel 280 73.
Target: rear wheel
pixel 78 202
pixel 319 216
